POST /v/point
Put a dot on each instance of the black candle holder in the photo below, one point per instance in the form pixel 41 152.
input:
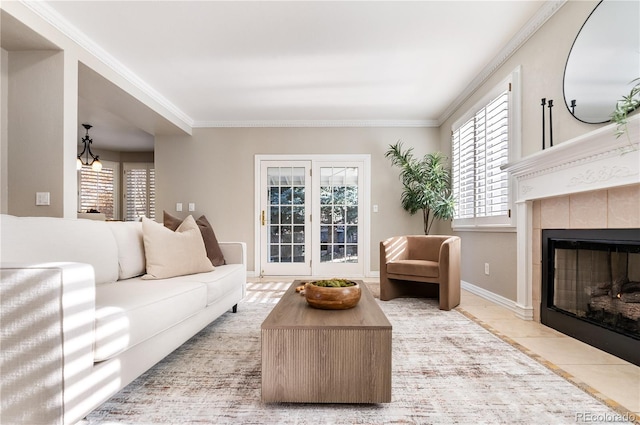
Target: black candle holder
pixel 543 104
pixel 549 104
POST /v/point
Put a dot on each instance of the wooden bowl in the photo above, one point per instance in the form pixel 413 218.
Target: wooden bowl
pixel 329 298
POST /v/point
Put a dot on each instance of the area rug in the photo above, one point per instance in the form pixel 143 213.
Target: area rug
pixel 446 370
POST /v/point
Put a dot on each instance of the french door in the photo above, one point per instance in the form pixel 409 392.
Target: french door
pixel 336 233
pixel 312 216
pixel 285 217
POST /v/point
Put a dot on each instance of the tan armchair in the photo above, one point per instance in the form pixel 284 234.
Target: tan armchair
pixel 408 262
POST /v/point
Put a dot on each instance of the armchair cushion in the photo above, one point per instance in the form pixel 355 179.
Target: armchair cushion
pixel 422 268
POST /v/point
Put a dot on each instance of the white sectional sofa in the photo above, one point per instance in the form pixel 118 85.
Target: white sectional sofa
pixel 77 321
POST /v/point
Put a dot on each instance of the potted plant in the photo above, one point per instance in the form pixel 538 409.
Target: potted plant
pixel 427 184
pixel 625 106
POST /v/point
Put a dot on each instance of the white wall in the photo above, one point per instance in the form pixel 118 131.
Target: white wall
pixel 542 59
pixel 215 169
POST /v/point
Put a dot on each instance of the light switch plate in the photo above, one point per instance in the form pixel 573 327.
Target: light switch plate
pixel 43 198
pixel 192 206
pixel 179 206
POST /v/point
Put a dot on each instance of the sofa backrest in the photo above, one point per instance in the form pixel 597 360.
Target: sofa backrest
pixel 50 239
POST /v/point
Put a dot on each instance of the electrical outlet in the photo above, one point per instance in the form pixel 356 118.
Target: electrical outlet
pixel 179 206
pixel 486 269
pixel 192 206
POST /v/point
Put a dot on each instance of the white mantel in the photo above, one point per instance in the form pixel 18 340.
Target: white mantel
pixel 593 161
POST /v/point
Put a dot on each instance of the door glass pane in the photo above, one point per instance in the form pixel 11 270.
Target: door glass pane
pixel 298 234
pixel 339 200
pixel 352 253
pixel 285 189
pixel 298 195
pixel 275 254
pixel 298 215
pixel 325 215
pixel 275 215
pixel 275 235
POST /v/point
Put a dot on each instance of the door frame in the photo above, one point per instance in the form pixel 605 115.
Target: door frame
pixel 365 159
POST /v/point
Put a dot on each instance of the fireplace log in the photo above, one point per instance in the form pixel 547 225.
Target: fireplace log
pixel 616 287
pixel 615 306
pixel 630 297
pixel 602 288
pixel 630 287
pixel 596 292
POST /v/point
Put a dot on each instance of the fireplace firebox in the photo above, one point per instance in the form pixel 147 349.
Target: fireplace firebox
pixel 591 287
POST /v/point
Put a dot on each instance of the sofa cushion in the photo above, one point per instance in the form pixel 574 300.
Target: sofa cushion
pixel 220 282
pixel 131 259
pixel 208 235
pixel 170 253
pixel 131 311
pixel 421 268
pixel 54 239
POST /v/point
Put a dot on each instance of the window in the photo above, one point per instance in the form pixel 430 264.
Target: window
pixel 481 144
pixel 98 190
pixel 139 191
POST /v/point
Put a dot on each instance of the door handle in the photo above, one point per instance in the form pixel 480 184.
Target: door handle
pixel 263 220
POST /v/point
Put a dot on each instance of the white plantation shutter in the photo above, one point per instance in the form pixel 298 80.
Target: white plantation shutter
pixel 480 147
pixel 463 170
pixel 497 154
pixel 97 190
pixel 139 191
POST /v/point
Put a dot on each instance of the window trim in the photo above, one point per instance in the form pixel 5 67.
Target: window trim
pixel 501 223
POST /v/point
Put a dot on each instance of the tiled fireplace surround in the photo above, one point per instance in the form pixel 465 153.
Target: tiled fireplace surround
pixel 590 182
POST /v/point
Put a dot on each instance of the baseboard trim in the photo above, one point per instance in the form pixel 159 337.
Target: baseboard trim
pixel 520 311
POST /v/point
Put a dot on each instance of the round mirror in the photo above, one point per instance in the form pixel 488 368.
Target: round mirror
pixel 604 59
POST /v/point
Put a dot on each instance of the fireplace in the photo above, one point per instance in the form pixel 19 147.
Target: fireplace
pixel 591 287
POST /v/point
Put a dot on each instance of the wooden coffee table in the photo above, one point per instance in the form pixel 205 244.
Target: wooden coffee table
pixel 326 356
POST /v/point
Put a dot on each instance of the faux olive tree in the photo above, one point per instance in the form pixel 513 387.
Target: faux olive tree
pixel 427 184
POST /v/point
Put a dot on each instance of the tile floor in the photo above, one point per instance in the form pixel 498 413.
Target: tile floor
pixel 614 378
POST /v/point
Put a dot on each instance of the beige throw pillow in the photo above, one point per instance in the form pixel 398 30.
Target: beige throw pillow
pixel 170 253
pixel 208 235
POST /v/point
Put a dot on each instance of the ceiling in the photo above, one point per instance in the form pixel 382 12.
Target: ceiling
pixel 241 63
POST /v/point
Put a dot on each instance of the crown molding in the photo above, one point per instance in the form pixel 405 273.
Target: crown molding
pixel 315 123
pixel 53 18
pixel 543 14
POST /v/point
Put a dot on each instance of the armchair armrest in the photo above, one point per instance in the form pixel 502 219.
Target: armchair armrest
pixel 449 270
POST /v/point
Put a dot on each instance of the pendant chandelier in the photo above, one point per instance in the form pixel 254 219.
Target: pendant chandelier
pixel 89 157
